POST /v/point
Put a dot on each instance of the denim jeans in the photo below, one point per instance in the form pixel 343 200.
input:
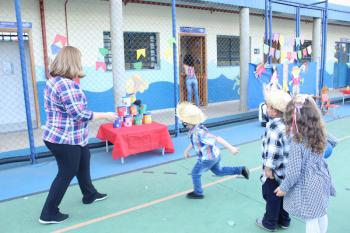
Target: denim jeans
pixel 192 83
pixel 214 165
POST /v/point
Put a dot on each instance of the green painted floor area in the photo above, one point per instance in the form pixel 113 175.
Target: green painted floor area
pixel 229 206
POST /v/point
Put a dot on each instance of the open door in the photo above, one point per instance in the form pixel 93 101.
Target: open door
pixel 196 46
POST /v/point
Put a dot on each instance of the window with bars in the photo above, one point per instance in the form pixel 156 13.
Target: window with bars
pixel 12 36
pixel 306 44
pixel 227 50
pixel 132 42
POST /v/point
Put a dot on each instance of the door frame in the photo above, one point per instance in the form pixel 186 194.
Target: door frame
pixel 32 65
pixel 205 70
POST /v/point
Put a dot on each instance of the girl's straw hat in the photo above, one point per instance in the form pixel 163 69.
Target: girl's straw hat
pixel 277 99
pixel 189 113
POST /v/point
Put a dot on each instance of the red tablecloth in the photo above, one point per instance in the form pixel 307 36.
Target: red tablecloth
pixel 345 91
pixel 136 139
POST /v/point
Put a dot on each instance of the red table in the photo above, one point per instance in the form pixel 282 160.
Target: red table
pixel 345 92
pixel 136 139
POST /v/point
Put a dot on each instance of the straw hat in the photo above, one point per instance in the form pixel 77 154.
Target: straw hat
pixel 189 113
pixel 277 99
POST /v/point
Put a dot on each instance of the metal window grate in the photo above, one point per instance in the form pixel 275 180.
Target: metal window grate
pixel 228 50
pixel 132 42
pixel 12 36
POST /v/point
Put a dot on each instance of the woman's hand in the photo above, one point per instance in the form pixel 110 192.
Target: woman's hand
pixel 279 192
pixel 269 173
pixel 111 116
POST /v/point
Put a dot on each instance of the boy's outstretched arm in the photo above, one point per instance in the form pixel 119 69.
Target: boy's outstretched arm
pixel 187 150
pixel 227 145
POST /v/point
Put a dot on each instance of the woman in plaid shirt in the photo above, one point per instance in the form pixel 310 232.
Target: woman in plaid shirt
pixel 66 133
pixel 307 186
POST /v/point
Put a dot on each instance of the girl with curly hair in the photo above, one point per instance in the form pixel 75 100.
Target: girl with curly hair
pixel 307 186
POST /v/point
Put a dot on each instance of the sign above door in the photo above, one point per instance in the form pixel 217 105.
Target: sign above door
pixel 192 30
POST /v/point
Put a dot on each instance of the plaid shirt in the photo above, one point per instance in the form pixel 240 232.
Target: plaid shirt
pixel 66 114
pixel 275 148
pixel 203 143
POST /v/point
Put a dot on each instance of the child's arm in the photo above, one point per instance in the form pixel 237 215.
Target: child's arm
pixel 187 150
pixel 227 145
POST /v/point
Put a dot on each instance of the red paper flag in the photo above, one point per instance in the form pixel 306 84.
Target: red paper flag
pixel 60 38
pixel 101 64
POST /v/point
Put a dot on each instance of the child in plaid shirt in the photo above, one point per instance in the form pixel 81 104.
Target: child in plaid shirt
pixel 204 144
pixel 275 147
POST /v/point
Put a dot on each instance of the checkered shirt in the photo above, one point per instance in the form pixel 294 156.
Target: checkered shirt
pixel 66 114
pixel 275 148
pixel 203 143
pixel 308 185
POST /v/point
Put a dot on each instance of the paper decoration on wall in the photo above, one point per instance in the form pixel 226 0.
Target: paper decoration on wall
pixel 296 80
pixel 137 65
pixel 260 69
pixel 140 52
pixel 168 53
pixel 266 49
pixel 278 54
pixel 171 41
pixel 283 56
pixel 309 49
pixel 135 84
pixel 281 40
pixel 102 65
pixel 299 54
pixel 61 39
pixel 272 52
pixel 237 83
pixel 297 41
pixel 302 39
pixel 276 37
pixel 273 84
pixel 285 78
pixel 289 56
pixel 294 56
pixel 55 49
pixel 103 51
pixel 305 52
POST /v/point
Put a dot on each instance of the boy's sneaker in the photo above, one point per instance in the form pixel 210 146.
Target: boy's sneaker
pixel 284 227
pixel 245 172
pixel 94 198
pixel 260 224
pixel 57 218
pixel 193 195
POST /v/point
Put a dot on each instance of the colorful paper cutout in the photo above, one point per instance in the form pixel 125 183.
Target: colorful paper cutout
pixel 55 49
pixel 302 39
pixel 278 54
pixel 171 41
pixel 305 52
pixel 137 65
pixel 309 49
pixel 103 51
pixel 283 56
pixel 140 52
pixel 272 52
pixel 266 49
pixel 297 41
pixel 60 38
pixel 168 53
pixel 260 69
pixel 299 54
pixel 102 65
pixel 281 39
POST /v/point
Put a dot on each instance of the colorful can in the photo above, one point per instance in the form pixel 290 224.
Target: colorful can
pixel 138 120
pixel 147 118
pixel 126 101
pixel 122 111
pixel 118 122
pixel 128 121
pixel 143 109
pixel 133 110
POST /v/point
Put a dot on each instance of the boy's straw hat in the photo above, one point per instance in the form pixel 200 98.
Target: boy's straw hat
pixel 189 113
pixel 277 99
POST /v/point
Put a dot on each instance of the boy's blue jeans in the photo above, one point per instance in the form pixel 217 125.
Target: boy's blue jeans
pixel 214 165
pixel 192 82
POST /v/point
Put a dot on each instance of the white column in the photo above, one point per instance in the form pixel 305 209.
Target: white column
pixel 316 49
pixel 117 39
pixel 244 53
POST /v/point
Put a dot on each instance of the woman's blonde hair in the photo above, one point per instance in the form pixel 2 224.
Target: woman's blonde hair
pixel 304 122
pixel 67 63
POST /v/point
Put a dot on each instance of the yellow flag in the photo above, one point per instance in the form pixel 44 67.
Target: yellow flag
pixel 168 53
pixel 281 40
pixel 140 52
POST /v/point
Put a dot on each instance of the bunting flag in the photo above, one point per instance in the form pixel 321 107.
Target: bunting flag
pixel 283 56
pixel 281 40
pixel 297 41
pixel 305 52
pixel 171 41
pixel 272 52
pixel 289 56
pixel 54 49
pixel 295 56
pixel 278 54
pixel 309 49
pixel 302 39
pixel 102 65
pixel 266 49
pixel 299 54
pixel 140 52
pixel 137 65
pixel 103 51
pixel 168 53
pixel 260 69
pixel 285 78
pixel 276 37
pixel 61 39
